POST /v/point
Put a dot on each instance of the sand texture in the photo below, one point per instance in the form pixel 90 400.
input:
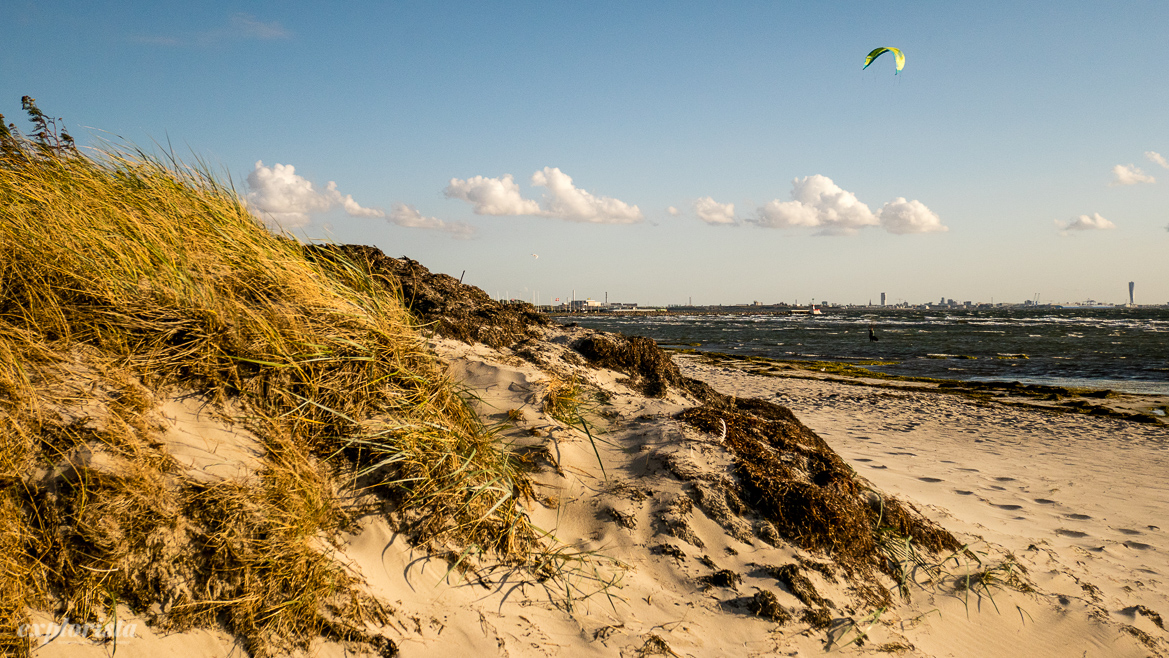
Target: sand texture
pixel 654 548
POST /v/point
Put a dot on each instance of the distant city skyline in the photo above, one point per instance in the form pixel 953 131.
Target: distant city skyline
pixel 658 151
pixel 883 302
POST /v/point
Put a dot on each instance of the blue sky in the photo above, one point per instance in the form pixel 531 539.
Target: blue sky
pixel 1005 129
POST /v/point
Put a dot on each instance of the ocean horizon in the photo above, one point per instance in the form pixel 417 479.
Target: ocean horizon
pixel 1122 349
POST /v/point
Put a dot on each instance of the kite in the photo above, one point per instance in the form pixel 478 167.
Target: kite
pixel 535 256
pixel 877 52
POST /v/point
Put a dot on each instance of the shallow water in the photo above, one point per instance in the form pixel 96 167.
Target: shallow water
pixel 1121 349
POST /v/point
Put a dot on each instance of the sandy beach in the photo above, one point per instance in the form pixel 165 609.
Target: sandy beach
pixel 1080 501
pixel 1061 516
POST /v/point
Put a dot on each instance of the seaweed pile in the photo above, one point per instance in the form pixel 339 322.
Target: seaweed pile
pixel 440 301
pixel 791 477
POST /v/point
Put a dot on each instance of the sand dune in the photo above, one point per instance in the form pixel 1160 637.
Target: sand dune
pixel 1062 515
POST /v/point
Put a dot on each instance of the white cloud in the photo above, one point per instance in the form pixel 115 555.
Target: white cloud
pixel 901 217
pixel 563 200
pixel 818 202
pixel 404 215
pixel 1130 175
pixel 282 198
pixel 673 211
pixel 492 196
pixel 279 196
pixel 351 207
pixel 566 201
pixel 1158 158
pixel 1093 222
pixel 713 212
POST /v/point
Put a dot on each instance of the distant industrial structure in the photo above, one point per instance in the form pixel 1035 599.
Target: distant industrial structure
pixel 572 305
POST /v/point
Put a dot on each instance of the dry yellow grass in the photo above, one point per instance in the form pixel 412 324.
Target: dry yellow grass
pixel 145 277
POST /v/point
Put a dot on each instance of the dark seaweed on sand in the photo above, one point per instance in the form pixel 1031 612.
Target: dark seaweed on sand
pixel 649 368
pixel 795 480
pixel 453 309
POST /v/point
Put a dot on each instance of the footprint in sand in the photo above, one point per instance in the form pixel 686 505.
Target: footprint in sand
pixel 862 459
pixel 997 487
pixel 1045 501
pixel 909 454
pixel 969 470
pixel 1070 533
pixel 1129 532
pixel 877 466
pixel 1078 517
pixel 1136 545
pixel 947 461
pixel 961 492
pixel 1004 479
pixel 930 479
pixel 1008 507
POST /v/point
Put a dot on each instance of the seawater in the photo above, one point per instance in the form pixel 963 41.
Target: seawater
pixel 1124 349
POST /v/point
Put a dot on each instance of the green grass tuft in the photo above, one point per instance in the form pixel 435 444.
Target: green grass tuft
pixel 144 278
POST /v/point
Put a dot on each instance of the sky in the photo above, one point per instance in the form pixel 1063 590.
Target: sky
pixel 655 152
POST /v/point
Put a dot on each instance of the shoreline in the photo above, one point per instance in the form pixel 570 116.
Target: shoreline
pixel 1133 407
pixel 1077 501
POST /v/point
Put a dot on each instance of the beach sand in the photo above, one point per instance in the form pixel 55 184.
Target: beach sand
pixel 1081 501
pixel 1065 518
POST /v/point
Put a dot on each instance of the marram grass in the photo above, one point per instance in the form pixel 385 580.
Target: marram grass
pixel 125 279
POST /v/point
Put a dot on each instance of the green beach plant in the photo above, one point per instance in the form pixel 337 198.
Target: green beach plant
pixel 566 401
pixel 146 278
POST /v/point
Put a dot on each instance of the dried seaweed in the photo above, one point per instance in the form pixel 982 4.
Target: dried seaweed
pixel 792 478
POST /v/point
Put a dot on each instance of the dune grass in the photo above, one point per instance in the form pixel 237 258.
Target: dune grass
pixel 142 278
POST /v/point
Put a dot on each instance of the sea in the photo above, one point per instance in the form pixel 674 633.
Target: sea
pixel 1122 349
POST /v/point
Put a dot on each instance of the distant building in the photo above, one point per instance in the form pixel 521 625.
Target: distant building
pixel 882 299
pixel 1131 285
pixel 583 304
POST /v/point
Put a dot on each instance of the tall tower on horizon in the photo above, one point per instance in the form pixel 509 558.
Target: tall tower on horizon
pixel 882 299
pixel 1131 285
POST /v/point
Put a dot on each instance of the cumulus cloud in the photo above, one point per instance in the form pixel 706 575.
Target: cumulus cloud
pixel 673 211
pixel 492 196
pixel 1093 222
pixel 817 202
pixel 404 215
pixel 713 212
pixel 1158 158
pixel 278 195
pixel 563 200
pixel 901 217
pixel 282 198
pixel 566 201
pixel 1130 175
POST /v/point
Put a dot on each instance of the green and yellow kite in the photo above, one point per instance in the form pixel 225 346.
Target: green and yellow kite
pixel 877 52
